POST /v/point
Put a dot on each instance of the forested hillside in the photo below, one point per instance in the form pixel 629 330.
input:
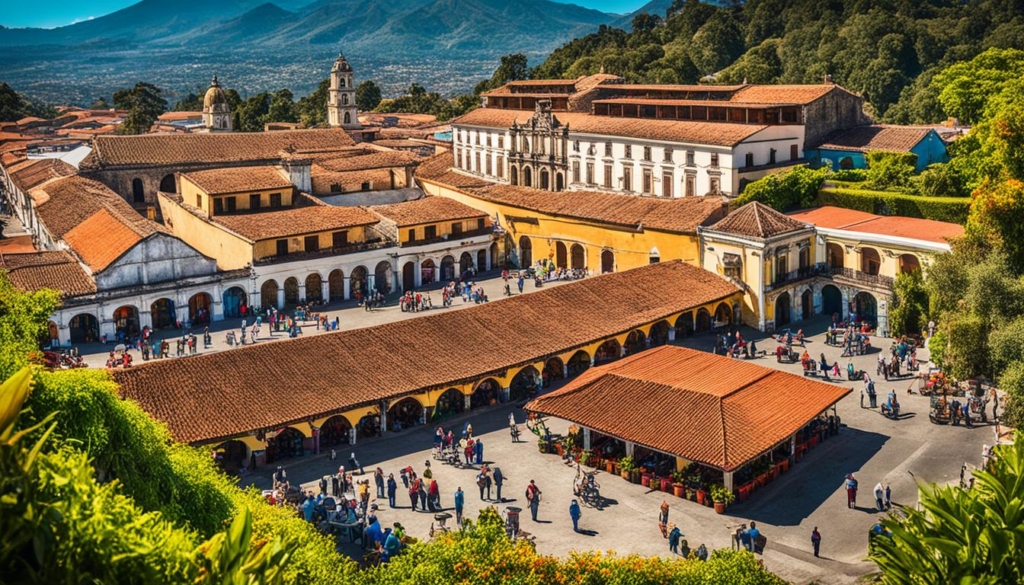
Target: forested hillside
pixel 887 50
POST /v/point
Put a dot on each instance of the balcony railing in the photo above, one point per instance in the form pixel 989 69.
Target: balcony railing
pixel 798 275
pixel 863 277
pixel 449 238
pixel 325 252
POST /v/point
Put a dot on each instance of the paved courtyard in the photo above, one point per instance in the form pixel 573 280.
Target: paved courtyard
pixel 873 447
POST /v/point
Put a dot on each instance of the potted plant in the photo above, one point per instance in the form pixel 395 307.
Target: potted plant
pixel 560 448
pixel 626 468
pixel 654 483
pixel 677 483
pixel 609 465
pixel 722 497
pixel 702 496
pixel 543 446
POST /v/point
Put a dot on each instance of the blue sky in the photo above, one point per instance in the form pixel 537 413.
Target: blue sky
pixel 18 13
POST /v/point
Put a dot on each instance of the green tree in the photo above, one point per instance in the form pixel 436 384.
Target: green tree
pixel 23 320
pixel 940 180
pixel 961 536
pixel 368 96
pixel 512 68
pixel 313 107
pixel 761 64
pixel 891 170
pixel 791 189
pixel 995 218
pixel 282 107
pixel 965 89
pixel 100 103
pixel 717 44
pixel 14 106
pixel 189 103
pixel 253 113
pixel 144 104
pixel 909 308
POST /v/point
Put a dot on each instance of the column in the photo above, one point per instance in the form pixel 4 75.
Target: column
pixel 629 448
pixel 487 257
pixel 352 435
pixel 586 439
pixel 302 291
pixel 469 401
pixel 383 417
pixel 280 298
pixel 728 480
pixel 417 277
pixel 671 333
pixel 325 290
pixel 622 351
pixel 792 449
pixel 647 341
pixel 565 371
pixel 591 361
pixel 346 283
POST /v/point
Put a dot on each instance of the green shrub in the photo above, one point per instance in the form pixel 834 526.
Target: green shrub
pixel 792 189
pixel 891 170
pixel 948 209
pixel 849 175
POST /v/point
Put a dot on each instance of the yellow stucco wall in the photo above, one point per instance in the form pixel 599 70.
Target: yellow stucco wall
pixel 888 254
pixel 631 249
pixel 230 250
pixel 196 196
pixel 267 248
pixel 442 228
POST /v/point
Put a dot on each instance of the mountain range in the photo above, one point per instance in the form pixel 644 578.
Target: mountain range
pixel 169 39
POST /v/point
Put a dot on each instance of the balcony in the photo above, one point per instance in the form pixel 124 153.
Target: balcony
pixel 804 273
pixel 862 278
pixel 325 252
pixel 449 238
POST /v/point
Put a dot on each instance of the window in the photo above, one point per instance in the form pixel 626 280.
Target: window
pixel 714 161
pixel 647 153
pixel 312 243
pixel 254 201
pixel 488 140
pixel 733 265
pixel 666 185
pixel 575 171
pixel 218 206
pixel 275 200
pixel 199 201
pixel 457 228
pixel 750 160
pixel 282 247
pixel 344 99
pixel 794 152
pixel 138 194
pixel 689 158
pixel 476 162
pixel 608 149
pixel 462 160
pixel 489 162
pixel 229 204
pixel 412 235
pixel 465 137
pixel 648 182
pixel 608 176
pixel 715 185
pixel 691 185
pixel 781 268
pixel 501 167
pixel 629 151
pixel 668 154
pixel 481 224
pixel 335 187
pixel 501 141
pixel 590 173
pixel 366 186
pixel 540 145
pixel 339 239
pixel 627 179
pixel 477 137
pixel 430 232
pixel 575 145
pixel 771 156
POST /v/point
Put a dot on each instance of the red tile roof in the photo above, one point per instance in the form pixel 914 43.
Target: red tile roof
pixel 714 133
pixel 54 270
pixel 757 220
pixel 33 172
pixel 427 210
pixel 783 94
pixel 696 405
pixel 878 137
pixel 225 394
pixel 238 179
pixel 324 180
pixel 679 215
pixel 372 160
pixel 268 225
pixel 927 230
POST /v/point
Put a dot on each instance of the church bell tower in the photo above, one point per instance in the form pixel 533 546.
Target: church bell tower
pixel 341 97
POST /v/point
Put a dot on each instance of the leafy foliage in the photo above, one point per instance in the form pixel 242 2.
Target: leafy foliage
pixel 995 219
pixel 949 209
pixel 14 106
pixel 368 95
pixel 909 307
pixel 791 189
pixel 512 68
pixel 418 101
pixel 144 104
pixel 23 320
pixel 890 170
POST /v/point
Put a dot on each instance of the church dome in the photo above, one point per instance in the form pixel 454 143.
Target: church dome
pixel 214 96
pixel 342 65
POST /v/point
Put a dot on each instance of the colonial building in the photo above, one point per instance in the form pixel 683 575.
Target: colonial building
pixel 848 149
pixel 217 116
pixel 341 97
pixel 600 134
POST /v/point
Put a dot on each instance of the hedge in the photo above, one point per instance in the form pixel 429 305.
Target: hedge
pixel 949 209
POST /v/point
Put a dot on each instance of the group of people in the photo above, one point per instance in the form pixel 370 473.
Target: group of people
pixel 734 345
pixel 412 302
pixel 883 494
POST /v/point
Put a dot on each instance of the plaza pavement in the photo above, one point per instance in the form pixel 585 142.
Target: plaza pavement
pixel 873 447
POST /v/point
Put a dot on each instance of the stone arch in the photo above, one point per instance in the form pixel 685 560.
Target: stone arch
pixel 559 181
pixel 405 413
pixel 199 307
pixel 368 426
pixel 335 431
pixel 382 277
pixel 428 272
pixel 561 255
pixel 783 303
pixel 233 300
pixel 162 313
pixel 835 255
pixel 232 455
pixel 348 118
pixel 659 333
pixel 485 393
pixel 168 185
pixel 723 314
pixel 703 323
pixel 527 176
pixel 84 328
pixel 846 163
pixel 290 442
pixel 525 380
pixel 578 363
pixel 545 179
pixel 314 287
pixel 513 175
pixel 870 260
pixel 409 276
pixel 291 291
pixel 357 281
pixel 636 341
pixel 866 306
pixel 465 263
pixel 909 263
pixel 268 294
pixel 554 369
pixel 577 257
pixel 684 324
pixel 336 285
pixel 493 251
pixel 831 300
pixel 481 260
pixel 448 268
pixel 525 252
pixel 138 191
pixel 344 99
pixel 608 351
pixel 806 304
pixel 450 403
pixel 607 261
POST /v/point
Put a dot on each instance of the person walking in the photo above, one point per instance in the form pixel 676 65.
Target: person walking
pixel 378 479
pixel 498 479
pixel 520 283
pixel 460 502
pixel 663 519
pixel 479 448
pixel 353 464
pixel 574 513
pixel 851 491
pixel 533 496
pixel 414 493
pixel 482 482
pixel 673 539
pixel 816 540
pixel 423 494
pixel 434 496
pixel 888 497
pixel 392 488
pixel 880 497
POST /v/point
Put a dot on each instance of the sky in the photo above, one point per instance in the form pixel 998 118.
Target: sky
pixel 17 13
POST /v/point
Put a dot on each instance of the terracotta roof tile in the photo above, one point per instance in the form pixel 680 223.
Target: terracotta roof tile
pixel 101 239
pixel 34 172
pixel 757 220
pixel 680 215
pixel 238 179
pixel 55 270
pixel 877 137
pixel 427 210
pixel 170 149
pixel 715 133
pixel 927 230
pixel 374 160
pixel 724 419
pixel 219 395
pixel 324 180
pixel 267 225
pixel 783 94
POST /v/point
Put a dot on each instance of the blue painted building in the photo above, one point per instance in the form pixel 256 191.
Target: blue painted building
pixel 848 149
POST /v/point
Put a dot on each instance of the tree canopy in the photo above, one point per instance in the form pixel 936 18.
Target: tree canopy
pixel 14 106
pixel 144 103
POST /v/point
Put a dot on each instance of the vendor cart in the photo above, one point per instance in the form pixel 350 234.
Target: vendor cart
pixel 939 411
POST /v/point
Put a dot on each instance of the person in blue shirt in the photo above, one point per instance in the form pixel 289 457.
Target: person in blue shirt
pixel 392 488
pixel 460 502
pixel 392 546
pixel 307 508
pixel 754 534
pixel 673 539
pixel 574 513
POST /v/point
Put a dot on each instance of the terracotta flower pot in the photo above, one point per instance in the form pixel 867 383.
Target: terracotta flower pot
pixel 666 485
pixel 701 496
pixel 626 475
pixel 608 464
pixel 720 507
pixel 677 490
pixel 645 480
pixel 558 448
